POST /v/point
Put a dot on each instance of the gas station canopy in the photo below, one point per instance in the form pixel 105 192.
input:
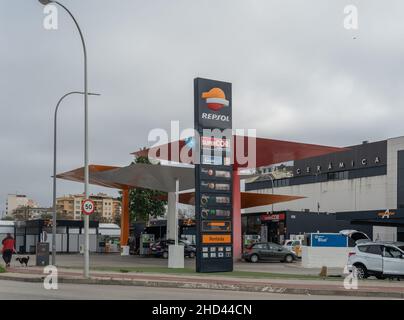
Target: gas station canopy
pixel 268 151
pixel 161 178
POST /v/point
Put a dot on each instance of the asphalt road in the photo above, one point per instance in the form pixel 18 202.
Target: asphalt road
pixel 14 290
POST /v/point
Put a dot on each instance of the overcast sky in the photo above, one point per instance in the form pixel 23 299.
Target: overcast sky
pixel 297 74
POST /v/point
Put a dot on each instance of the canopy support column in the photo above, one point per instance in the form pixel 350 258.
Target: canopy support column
pixel 125 218
pixel 171 214
pixel 237 237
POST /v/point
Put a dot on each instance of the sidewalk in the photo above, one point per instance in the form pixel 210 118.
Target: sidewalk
pixel 386 289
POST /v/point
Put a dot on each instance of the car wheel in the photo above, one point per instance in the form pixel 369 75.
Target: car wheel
pixel 192 255
pixel 165 255
pixel 254 258
pixel 288 258
pixel 360 272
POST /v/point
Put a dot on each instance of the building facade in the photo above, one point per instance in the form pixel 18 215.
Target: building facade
pixel 107 208
pixel 363 184
pixel 17 201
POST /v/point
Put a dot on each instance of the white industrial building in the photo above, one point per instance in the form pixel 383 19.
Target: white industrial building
pixel 363 184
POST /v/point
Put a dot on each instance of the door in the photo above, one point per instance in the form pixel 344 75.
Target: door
pixel 382 233
pixel 373 258
pixel 276 252
pixel 393 261
pixel 262 250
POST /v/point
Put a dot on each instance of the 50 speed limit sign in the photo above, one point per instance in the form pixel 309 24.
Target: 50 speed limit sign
pixel 87 207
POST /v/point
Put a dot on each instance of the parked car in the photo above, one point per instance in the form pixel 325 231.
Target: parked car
pixel 379 259
pixel 160 248
pixel 268 251
pixel 295 246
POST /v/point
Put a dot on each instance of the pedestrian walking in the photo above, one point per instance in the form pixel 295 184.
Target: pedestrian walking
pixel 8 249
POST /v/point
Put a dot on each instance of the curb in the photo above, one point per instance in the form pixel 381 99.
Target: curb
pixel 216 286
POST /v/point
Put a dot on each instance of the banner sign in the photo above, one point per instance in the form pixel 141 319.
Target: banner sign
pixel 329 240
pixel 273 217
pixel 213 176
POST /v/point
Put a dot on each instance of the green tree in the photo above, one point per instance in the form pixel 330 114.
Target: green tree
pixel 145 203
pixel 46 216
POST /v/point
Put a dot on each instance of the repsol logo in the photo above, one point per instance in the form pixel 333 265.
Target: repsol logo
pixel 216 117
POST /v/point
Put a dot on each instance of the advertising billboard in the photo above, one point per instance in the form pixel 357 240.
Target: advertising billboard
pixel 328 240
pixel 213 176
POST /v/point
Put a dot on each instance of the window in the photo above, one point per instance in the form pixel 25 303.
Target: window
pixel 390 252
pixel 363 248
pixel 260 246
pixel 274 247
pixel 374 250
pixel 337 175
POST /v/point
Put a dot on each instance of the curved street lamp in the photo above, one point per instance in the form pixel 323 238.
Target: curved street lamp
pixel 54 218
pixel 86 171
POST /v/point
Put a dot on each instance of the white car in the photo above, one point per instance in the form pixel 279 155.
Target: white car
pixel 379 259
pixel 295 246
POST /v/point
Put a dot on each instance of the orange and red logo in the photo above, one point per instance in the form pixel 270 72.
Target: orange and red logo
pixel 215 99
pixel 386 214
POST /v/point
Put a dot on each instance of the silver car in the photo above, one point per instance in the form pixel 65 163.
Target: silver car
pixel 379 259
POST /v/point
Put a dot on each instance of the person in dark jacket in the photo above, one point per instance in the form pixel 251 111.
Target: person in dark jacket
pixel 8 249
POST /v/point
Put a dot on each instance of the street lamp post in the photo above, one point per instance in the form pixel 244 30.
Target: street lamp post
pixel 54 218
pixel 86 171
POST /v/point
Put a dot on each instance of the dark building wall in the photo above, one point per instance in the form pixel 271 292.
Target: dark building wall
pixel 400 179
pixel 305 222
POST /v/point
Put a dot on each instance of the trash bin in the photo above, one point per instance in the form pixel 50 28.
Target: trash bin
pixel 42 254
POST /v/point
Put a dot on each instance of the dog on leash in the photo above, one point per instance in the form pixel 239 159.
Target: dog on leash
pixel 23 260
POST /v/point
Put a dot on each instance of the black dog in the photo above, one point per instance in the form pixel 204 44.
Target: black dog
pixel 23 260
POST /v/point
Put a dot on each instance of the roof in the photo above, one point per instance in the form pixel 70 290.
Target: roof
pixel 139 175
pixel 248 199
pixel 108 226
pixel 162 178
pixel 5 223
pixel 268 151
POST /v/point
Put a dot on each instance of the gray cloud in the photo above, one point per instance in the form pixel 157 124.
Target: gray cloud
pixel 297 74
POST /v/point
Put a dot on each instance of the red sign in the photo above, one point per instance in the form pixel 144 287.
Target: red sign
pixel 273 217
pixel 216 143
pixel 88 207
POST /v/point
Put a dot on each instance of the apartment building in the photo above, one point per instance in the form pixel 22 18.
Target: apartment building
pixel 107 208
pixel 17 201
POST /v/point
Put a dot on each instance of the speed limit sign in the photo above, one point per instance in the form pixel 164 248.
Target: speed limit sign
pixel 87 207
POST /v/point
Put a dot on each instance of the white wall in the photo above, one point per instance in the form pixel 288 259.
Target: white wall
pixel 393 146
pixel 368 193
pixel 317 257
pixel 13 202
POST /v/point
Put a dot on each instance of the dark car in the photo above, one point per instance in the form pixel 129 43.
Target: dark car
pixel 268 251
pixel 160 249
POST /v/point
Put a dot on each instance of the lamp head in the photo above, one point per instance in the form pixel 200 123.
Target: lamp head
pixel 45 2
